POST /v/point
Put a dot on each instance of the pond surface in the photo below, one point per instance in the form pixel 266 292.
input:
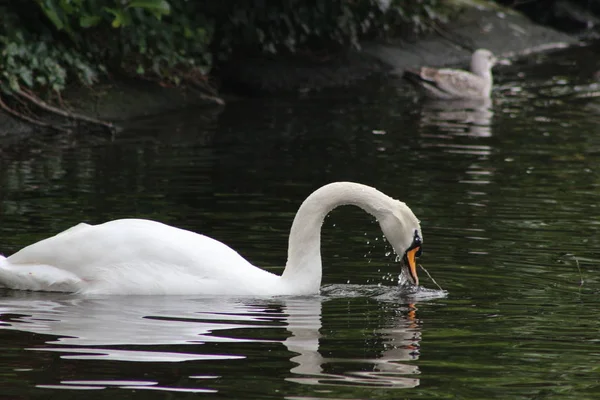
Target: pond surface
pixel 508 200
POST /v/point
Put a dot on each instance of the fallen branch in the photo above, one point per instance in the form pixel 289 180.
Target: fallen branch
pixel 67 114
pixel 200 92
pixel 32 121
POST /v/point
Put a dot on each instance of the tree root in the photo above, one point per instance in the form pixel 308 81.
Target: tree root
pixel 24 99
pixel 33 121
pixel 66 114
pixel 208 97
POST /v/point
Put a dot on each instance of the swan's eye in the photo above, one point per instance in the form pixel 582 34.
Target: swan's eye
pixel 416 240
pixel 416 244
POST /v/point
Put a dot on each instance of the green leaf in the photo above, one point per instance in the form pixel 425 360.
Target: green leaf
pixel 14 83
pixel 159 7
pixel 87 21
pixel 52 15
pixel 121 17
pixel 26 76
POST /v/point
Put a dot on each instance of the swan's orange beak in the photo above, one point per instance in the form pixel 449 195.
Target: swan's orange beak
pixel 411 257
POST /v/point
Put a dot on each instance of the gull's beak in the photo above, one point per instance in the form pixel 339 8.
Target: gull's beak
pixel 410 264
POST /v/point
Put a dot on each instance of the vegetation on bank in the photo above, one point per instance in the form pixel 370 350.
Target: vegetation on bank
pixel 46 45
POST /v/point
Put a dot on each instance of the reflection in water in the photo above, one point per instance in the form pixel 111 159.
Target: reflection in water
pixel 135 329
pixel 461 127
pixel 459 117
pixel 400 345
pixel 509 208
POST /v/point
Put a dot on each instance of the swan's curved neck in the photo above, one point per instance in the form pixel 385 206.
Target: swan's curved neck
pixel 303 269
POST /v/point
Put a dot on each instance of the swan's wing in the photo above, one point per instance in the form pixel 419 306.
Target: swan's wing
pixel 37 277
pixel 81 225
pixel 136 254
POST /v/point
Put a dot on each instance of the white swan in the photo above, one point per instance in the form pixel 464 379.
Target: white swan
pixel 447 83
pixel 134 256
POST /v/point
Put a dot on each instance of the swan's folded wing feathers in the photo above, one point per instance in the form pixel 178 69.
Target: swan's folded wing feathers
pixel 73 229
pixel 130 256
pixel 38 277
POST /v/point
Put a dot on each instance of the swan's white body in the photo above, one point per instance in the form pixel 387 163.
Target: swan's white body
pixel 133 256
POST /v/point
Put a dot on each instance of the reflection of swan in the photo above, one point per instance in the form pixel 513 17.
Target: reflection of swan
pixel 145 257
pixel 387 370
pixel 89 328
pixel 450 83
pixel 174 329
pixel 466 117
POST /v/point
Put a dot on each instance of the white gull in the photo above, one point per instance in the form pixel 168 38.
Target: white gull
pixel 447 83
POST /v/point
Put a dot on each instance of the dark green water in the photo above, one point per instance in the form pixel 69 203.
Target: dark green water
pixel 508 204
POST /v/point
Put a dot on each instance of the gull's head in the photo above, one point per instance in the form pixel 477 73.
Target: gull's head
pixel 482 62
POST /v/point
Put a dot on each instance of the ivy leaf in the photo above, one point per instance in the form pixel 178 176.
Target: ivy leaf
pixel 26 76
pixel 52 13
pixel 14 83
pixel 158 7
pixel 41 80
pixel 121 18
pixel 87 21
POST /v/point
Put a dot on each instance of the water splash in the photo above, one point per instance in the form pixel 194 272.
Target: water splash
pixel 409 293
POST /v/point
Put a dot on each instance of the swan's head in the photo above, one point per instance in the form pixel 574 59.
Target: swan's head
pixel 402 229
pixel 482 62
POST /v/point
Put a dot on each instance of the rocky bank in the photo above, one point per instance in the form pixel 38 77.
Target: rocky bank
pixel 478 24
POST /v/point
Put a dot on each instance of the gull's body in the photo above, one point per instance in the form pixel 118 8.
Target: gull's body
pixel 448 83
pixel 133 256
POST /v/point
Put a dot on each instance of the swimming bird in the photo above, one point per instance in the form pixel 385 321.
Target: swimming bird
pixel 136 256
pixel 448 83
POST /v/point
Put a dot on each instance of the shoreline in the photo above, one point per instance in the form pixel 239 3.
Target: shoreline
pixel 505 32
